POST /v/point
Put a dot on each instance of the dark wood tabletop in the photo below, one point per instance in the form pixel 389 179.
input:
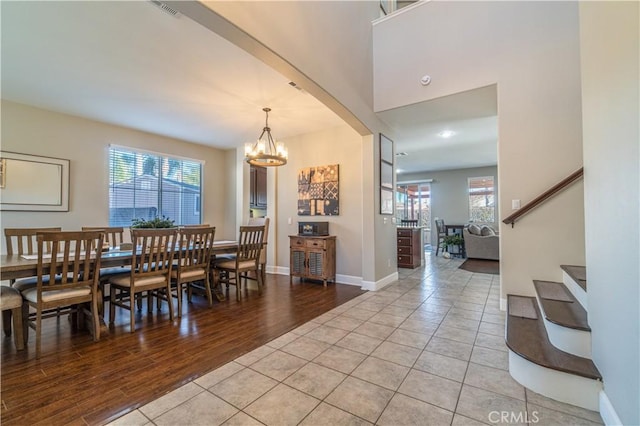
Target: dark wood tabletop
pixel 16 266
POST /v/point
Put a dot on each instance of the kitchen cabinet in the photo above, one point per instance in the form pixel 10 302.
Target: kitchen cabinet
pixel 410 249
pixel 258 187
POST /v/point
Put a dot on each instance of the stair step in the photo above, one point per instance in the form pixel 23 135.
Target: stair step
pixel 560 306
pixel 528 338
pixel 577 273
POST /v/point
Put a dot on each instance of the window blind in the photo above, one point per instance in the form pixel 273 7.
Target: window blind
pixel 146 185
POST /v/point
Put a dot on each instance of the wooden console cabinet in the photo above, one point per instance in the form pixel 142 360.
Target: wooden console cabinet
pixel 410 249
pixel 312 257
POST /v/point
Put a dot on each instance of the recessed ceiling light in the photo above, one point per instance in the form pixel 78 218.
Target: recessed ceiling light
pixel 446 133
pixel 401 154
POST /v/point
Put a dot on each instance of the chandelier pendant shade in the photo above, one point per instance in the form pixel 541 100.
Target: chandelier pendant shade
pixel 266 152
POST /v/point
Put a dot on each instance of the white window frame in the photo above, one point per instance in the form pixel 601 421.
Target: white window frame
pixel 469 194
pixel 183 209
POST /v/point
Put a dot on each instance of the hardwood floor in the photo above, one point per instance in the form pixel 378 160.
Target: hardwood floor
pixel 77 381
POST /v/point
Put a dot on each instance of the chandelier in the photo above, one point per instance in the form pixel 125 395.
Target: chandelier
pixel 265 152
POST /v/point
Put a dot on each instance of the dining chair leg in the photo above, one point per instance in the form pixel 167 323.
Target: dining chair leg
pixel 95 319
pixel 25 323
pixel 169 300
pixel 112 305
pixel 6 321
pixel 132 318
pixel 18 338
pixel 38 332
pixel 207 286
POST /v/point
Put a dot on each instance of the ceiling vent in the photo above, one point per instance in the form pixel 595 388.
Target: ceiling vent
pixel 165 8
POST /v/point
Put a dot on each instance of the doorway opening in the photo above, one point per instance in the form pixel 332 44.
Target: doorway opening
pixel 413 202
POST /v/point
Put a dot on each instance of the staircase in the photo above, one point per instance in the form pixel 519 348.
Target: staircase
pixel 549 341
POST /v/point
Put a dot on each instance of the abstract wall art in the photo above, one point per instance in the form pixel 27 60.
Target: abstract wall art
pixel 318 191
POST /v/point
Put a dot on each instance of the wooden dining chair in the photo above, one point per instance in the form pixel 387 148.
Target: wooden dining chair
pixel 69 283
pixel 114 235
pixel 247 259
pixel 441 230
pixel 21 241
pixel 11 306
pixel 152 262
pixel 193 265
pixel 262 221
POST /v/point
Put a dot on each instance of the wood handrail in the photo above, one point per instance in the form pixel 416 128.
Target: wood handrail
pixel 544 196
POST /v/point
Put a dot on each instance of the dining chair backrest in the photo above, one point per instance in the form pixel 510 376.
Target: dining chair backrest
pixel 114 235
pixel 153 251
pixel 440 227
pixel 250 243
pixel 409 222
pixel 262 221
pixel 71 263
pixel 24 240
pixel 195 244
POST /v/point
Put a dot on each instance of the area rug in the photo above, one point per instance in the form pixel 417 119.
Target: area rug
pixel 481 266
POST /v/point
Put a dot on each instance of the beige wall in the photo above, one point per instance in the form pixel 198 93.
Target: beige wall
pixel 85 143
pixel 610 74
pixel 450 194
pixel 338 145
pixel 326 48
pixel 531 50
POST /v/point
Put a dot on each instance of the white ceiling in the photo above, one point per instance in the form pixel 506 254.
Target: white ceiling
pixel 471 115
pixel 131 64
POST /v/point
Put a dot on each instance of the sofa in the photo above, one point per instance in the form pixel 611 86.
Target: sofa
pixel 481 242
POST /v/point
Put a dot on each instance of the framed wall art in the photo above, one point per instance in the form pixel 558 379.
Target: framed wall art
pixel 318 191
pixel 33 183
pixel 386 175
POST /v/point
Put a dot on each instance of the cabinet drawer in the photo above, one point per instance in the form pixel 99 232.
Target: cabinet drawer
pixel 404 260
pixel 404 232
pixel 311 243
pixel 405 250
pixel 404 242
pixel 297 242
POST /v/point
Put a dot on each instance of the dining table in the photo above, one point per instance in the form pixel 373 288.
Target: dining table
pixel 22 266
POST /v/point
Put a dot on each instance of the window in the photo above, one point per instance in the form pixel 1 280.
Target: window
pixel 482 206
pixel 146 185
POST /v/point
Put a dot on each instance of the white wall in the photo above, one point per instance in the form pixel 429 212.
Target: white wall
pixel 531 50
pixel 450 194
pixel 35 131
pixel 610 74
pixel 338 145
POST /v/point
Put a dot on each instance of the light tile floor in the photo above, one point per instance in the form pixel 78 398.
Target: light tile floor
pixel 426 350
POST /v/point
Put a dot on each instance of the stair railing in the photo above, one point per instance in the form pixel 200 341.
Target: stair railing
pixel 544 197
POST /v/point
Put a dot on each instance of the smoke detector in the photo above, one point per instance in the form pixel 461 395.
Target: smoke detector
pixel 425 80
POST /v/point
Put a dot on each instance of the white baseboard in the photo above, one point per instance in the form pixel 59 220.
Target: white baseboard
pixel 349 280
pixel 380 284
pixel 503 304
pixel 342 279
pixel 278 270
pixel 607 412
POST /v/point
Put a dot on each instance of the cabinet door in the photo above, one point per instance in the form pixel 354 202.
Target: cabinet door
pixel 316 263
pixel 252 186
pixel 297 262
pixel 261 187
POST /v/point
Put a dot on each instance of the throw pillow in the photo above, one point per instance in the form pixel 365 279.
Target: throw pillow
pixel 474 229
pixel 486 231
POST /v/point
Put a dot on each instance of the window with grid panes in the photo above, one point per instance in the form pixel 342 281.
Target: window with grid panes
pixel 145 185
pixel 482 206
